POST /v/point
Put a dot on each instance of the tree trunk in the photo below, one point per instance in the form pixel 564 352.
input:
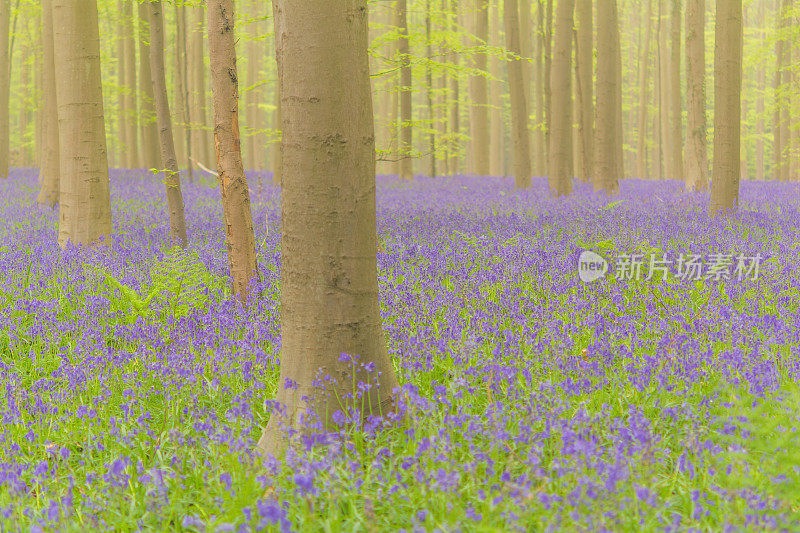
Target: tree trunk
pixel 147 110
pixel 784 88
pixel 619 145
pixel 169 161
pixel 85 199
pixel 526 51
pixel 49 172
pixel 277 158
pixel 255 93
pixel 480 95
pixel 696 151
pixel 560 164
pixel 548 67
pixel 666 100
pixel 727 106
pixel 519 112
pixel 182 76
pixel 495 88
pixel 455 112
pixel 406 169
pixel 329 282
pixel 644 86
pixel 233 184
pixel 429 88
pixel 130 110
pixel 675 92
pixel 197 73
pixel 584 57
pixel 761 80
pixel 606 172
pixel 122 113
pixel 539 149
pixel 5 86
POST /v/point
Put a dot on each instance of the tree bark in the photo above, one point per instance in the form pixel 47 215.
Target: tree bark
pixel 727 106
pixel 5 87
pixel 130 109
pixel 182 88
pixel 169 161
pixel 480 95
pixel 666 100
pixel 585 58
pixel 49 173
pixel 606 171
pixel 406 169
pixel 676 106
pixel 495 121
pixel 197 73
pixel 85 199
pixel 329 283
pixel 560 162
pixel 644 86
pixel 455 112
pixel 539 149
pixel 519 112
pixel 696 151
pixel 429 89
pixel 277 158
pixel 254 95
pixel 147 110
pixel 761 81
pixel 233 184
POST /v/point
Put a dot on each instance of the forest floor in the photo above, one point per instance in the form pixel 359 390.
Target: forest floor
pixel 134 388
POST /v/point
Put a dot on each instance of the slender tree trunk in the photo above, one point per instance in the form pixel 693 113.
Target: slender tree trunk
pixel 122 112
pixel 85 199
pixel 495 121
pixel 169 161
pixel 666 99
pixel 406 169
pixel 130 114
pixel 606 172
pixel 560 177
pixel 24 109
pixel 5 83
pixel 480 95
pixel 548 93
pixel 519 112
pixel 255 93
pixel 233 184
pixel 619 145
pixel 584 60
pixel 539 159
pixel 761 81
pixel 658 167
pixel 785 58
pixel 147 111
pixel 182 76
pixel 696 151
pixel 197 74
pixel 675 92
pixel 727 106
pixel 526 49
pixel 429 87
pixel 644 86
pixel 178 84
pixel 777 86
pixel 455 112
pixel 49 173
pixel 329 282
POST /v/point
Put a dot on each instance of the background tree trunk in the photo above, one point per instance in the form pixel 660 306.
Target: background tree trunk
pixel 197 74
pixel 560 162
pixel 255 93
pixel 784 91
pixel 130 114
pixel 169 161
pixel 182 87
pixel 519 113
pixel 665 99
pixel 406 168
pixel 85 199
pixel 676 105
pixel 5 86
pixel 455 113
pixel 495 88
pixel 644 86
pixel 233 184
pixel 480 95
pixel 147 109
pixel 727 106
pixel 585 61
pixel 606 176
pixel 761 81
pixel 49 172
pixel 329 281
pixel 696 151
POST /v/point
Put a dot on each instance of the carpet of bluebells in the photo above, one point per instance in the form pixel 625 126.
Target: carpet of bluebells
pixel 134 388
